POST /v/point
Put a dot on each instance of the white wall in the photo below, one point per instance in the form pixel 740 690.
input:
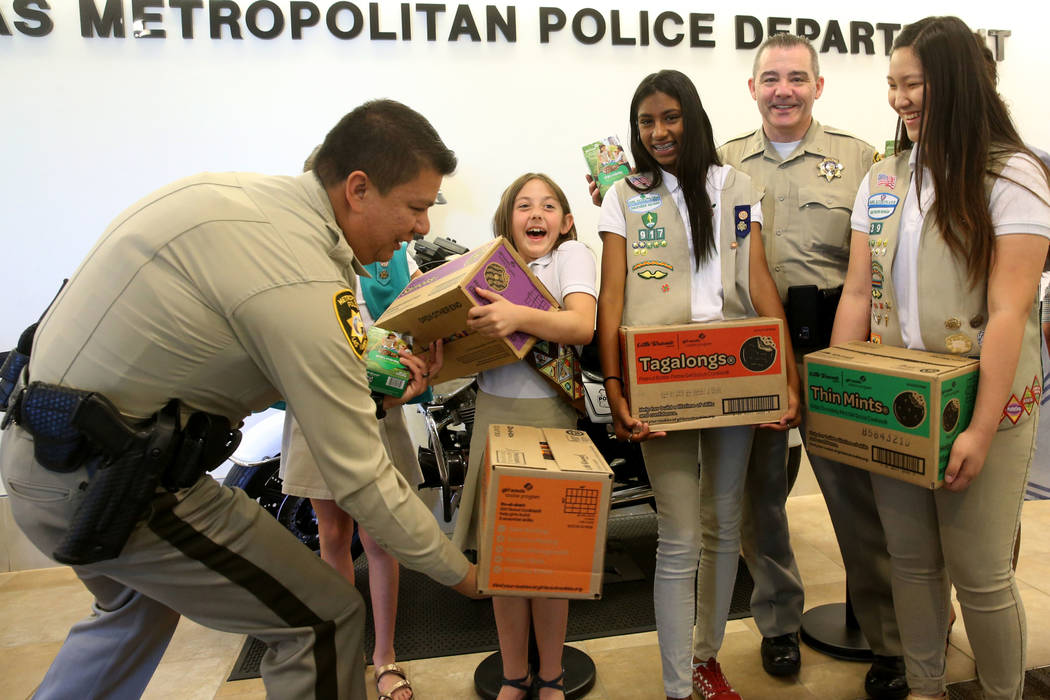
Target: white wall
pixel 90 125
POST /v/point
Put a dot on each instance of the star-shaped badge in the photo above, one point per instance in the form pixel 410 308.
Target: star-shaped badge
pixel 830 169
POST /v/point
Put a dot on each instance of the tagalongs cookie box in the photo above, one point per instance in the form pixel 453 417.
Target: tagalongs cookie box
pixel 889 410
pixel 702 375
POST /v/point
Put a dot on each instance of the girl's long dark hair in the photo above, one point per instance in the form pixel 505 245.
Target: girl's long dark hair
pixel 965 130
pixel 696 153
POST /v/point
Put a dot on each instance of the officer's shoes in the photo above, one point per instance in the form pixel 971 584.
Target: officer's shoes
pixel 885 679
pixel 781 655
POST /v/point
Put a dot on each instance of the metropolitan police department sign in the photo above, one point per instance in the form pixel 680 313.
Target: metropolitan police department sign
pixel 375 21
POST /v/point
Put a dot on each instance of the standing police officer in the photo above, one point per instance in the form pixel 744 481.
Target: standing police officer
pixel 224 293
pixel 810 174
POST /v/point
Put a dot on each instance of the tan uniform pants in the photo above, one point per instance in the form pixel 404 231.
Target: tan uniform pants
pixel 967 538
pixel 207 552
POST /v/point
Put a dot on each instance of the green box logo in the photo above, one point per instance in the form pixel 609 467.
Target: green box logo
pixel 890 402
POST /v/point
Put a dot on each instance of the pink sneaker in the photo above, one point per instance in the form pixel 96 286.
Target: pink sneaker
pixel 711 683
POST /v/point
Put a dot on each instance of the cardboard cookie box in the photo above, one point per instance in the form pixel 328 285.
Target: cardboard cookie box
pixel 542 514
pixel 702 375
pixel 383 365
pixel 889 410
pixel 434 306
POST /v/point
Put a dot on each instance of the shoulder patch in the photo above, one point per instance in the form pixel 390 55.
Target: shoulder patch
pixel 876 158
pixel 349 317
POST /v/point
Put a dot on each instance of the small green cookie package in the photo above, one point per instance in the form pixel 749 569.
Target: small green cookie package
pixel 607 162
pixel 385 372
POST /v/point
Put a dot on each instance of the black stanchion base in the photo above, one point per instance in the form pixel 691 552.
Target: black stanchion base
pixel 579 674
pixel 824 628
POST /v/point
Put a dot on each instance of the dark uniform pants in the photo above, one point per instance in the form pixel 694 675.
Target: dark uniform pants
pixel 209 553
pixel 777 600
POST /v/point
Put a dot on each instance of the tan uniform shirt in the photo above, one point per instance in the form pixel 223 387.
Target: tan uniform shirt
pixel 807 199
pixel 219 290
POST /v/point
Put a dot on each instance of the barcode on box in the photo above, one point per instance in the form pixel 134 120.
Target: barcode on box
pixel 508 456
pixel 395 383
pixel 898 460
pixel 751 404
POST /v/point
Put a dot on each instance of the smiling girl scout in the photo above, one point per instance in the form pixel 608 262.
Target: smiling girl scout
pixel 955 270
pixel 682 243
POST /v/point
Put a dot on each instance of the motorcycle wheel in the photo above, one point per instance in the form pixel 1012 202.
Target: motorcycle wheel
pixel 261 482
pixel 297 515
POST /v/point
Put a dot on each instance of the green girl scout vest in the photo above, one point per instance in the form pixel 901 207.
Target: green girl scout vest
pixel 658 290
pixel 387 281
pixel 956 316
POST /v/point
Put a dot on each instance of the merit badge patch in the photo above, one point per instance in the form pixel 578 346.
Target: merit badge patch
pixel 877 275
pixel 882 205
pixel 830 169
pixel 742 217
pixel 652 269
pixel 646 201
pixel 349 317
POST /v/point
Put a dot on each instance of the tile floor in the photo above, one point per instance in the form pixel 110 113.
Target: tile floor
pixel 38 606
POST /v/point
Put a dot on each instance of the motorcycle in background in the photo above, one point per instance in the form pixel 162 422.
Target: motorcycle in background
pixel 449 421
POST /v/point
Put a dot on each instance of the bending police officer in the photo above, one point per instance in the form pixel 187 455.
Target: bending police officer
pixel 225 292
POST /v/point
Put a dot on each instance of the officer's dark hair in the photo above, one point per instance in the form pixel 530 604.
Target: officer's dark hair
pixel 787 41
pixel 696 153
pixel 964 131
pixel 388 141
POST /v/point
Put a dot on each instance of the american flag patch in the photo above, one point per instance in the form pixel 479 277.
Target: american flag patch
pixel 889 181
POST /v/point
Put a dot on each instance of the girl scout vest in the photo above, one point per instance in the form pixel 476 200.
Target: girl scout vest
pixel 658 290
pixel 387 281
pixel 956 320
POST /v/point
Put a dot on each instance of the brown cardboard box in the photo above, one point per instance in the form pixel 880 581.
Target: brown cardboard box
pixel 543 507
pixel 702 375
pixel 435 305
pixel 889 410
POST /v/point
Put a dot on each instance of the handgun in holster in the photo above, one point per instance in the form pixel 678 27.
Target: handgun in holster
pixel 129 463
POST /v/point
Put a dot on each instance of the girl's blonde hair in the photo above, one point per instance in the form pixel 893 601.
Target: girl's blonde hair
pixel 505 211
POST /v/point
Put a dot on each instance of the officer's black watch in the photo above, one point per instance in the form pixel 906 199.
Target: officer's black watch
pixel 380 411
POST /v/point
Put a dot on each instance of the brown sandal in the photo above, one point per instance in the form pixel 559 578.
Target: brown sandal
pixel 396 670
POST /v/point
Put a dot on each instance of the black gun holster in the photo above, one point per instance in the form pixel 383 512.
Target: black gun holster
pixel 126 462
pixel 810 315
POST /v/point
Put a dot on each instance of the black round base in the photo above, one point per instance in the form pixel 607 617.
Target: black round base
pixel 824 628
pixel 579 674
